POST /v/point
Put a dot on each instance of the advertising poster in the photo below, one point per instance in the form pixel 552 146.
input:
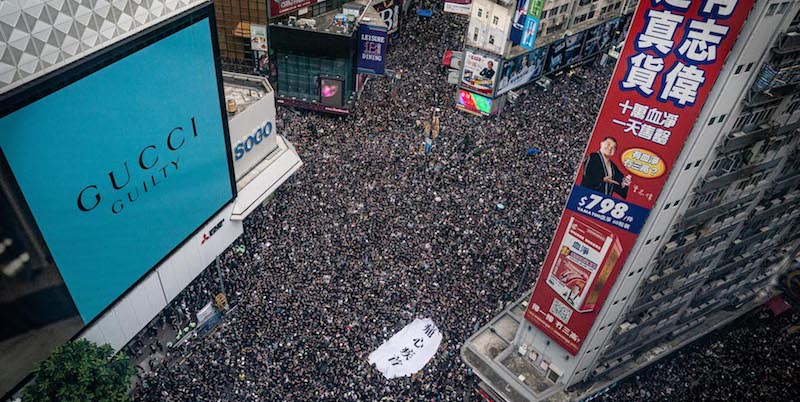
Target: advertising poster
pixel 521 70
pixel 474 103
pixel 609 32
pixel 371 49
pixel 331 91
pixel 281 7
pixel 462 7
pixel 480 72
pixel 531 23
pixel 111 207
pixel 573 46
pixel 518 24
pixel 390 11
pixel 555 57
pixel 668 66
pixel 592 42
pixel 258 37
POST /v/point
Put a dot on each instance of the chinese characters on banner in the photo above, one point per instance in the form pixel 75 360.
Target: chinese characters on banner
pixel 409 350
pixel 673 54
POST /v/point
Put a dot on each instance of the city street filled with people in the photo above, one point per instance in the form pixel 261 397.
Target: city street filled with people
pixel 754 358
pixel 372 233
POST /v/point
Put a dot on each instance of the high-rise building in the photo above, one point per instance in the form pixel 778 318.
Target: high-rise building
pixel 560 16
pixel 714 241
pixel 509 44
pixel 316 53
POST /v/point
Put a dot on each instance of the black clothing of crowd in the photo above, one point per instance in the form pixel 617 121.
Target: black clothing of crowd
pixel 370 234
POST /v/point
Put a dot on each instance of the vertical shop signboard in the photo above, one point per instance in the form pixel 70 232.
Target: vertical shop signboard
pixel 531 23
pixel 671 59
pixel 371 49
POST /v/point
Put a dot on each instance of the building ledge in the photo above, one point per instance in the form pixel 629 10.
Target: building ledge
pixel 491 354
pixel 265 178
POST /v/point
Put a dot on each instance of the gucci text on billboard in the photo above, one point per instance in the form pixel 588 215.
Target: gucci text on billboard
pixel 153 165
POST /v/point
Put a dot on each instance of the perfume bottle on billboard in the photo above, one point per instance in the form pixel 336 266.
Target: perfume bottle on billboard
pixel 587 255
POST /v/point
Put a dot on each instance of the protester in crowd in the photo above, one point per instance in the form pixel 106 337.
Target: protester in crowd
pixel 370 234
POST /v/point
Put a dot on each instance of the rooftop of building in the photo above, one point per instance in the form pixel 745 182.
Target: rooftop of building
pixel 244 90
pixel 494 357
pixel 329 23
pixel 491 353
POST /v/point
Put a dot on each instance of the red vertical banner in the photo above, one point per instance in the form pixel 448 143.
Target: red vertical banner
pixel 673 54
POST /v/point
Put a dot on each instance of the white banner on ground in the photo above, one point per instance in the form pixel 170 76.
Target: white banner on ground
pixel 409 350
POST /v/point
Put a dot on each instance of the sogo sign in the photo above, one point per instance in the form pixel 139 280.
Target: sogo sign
pixel 252 135
pixel 248 142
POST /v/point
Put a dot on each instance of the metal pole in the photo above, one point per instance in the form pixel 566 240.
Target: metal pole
pixel 219 276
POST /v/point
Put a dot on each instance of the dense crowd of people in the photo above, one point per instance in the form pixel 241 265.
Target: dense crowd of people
pixel 753 359
pixel 371 233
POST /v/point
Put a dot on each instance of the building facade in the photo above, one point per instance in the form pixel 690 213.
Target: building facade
pixel 155 168
pixel 510 44
pixel 312 51
pixel 721 232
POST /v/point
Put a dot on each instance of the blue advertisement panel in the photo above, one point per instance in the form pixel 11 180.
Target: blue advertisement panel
pixel 529 33
pixel 532 23
pixel 555 57
pixel 371 49
pixel 609 32
pixel 121 166
pixel 574 44
pixel 518 24
pixel 592 43
pixel 521 70
pixel 611 210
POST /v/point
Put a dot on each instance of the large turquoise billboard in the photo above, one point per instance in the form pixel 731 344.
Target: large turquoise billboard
pixel 121 166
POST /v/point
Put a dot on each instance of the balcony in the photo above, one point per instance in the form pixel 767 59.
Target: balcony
pixel 787 43
pixel 672 248
pixel 733 266
pixel 708 210
pixel 790 179
pixel 773 82
pixel 776 206
pixel 715 182
pixel 751 134
pixel 753 235
pixel 704 255
pixel 668 298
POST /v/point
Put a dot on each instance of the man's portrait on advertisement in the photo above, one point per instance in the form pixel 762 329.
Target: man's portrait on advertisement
pixel 601 174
